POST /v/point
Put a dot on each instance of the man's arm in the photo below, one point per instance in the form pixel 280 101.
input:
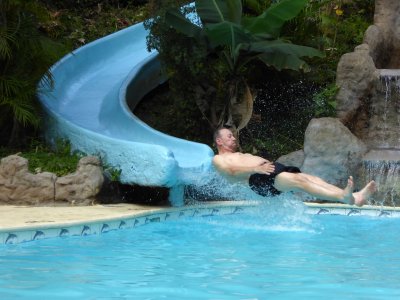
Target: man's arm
pixel 238 169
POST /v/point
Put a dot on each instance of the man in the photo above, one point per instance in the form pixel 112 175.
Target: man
pixel 267 178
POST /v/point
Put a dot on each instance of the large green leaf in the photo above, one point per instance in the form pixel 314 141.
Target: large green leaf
pixel 227 33
pixel 235 11
pixel 284 47
pixel 283 55
pixel 175 19
pixel 272 20
pixel 281 61
pixel 216 11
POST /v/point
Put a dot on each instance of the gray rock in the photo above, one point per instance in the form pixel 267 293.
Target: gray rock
pixel 373 37
pixel 356 78
pixel 331 151
pixel 387 19
pixel 295 158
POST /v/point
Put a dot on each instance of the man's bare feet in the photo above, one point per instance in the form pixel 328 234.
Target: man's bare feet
pixel 348 191
pixel 362 196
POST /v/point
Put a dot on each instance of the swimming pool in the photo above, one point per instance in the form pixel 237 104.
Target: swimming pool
pixel 272 251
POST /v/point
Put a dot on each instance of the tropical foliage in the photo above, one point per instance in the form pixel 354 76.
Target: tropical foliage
pixel 334 27
pixel 25 57
pixel 75 23
pixel 217 51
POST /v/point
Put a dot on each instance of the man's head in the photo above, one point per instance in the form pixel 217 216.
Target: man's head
pixel 225 140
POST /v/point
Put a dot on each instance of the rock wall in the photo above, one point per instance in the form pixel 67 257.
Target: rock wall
pixel 18 186
pixel 361 105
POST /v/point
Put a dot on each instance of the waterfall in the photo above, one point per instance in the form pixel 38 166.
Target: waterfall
pixel 386 174
pixel 384 123
pixel 382 162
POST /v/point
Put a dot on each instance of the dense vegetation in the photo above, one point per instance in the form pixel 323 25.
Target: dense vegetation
pixel 36 33
pixel 286 100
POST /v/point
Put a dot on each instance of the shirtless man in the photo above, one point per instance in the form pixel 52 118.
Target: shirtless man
pixel 269 179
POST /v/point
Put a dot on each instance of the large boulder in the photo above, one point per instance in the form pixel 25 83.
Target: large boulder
pixel 331 151
pixel 295 159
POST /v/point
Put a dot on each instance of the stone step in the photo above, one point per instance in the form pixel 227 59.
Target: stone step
pixel 389 73
pixel 383 155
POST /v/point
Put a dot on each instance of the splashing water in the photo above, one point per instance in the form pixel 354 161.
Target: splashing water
pixel 214 186
pixel 285 212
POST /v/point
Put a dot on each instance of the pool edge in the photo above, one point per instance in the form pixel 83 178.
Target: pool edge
pixel 126 219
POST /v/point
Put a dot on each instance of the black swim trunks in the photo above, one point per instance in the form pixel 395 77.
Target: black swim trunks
pixel 263 184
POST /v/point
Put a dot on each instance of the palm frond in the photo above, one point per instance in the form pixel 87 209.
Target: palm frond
pixel 23 110
pixel 7 42
pixel 11 86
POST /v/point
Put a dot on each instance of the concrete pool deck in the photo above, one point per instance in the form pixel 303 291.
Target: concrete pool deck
pixel 26 217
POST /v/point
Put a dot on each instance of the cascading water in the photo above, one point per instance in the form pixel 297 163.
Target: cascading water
pixel 384 124
pixel 386 174
pixel 382 162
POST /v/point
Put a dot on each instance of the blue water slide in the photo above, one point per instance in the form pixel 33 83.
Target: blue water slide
pixel 95 90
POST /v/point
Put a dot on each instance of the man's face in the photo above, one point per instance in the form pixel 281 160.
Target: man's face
pixel 226 140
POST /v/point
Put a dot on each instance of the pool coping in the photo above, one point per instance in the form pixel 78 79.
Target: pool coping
pixel 99 219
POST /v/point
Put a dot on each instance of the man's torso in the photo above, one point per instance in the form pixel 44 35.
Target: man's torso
pixel 243 159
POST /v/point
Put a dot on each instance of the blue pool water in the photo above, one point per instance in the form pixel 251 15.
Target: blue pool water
pixel 270 253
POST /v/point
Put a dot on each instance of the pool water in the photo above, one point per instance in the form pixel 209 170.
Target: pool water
pixel 269 253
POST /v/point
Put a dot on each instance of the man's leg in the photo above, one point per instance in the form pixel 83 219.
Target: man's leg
pixel 319 188
pixel 359 197
pixel 362 196
pixel 286 182
pixel 320 181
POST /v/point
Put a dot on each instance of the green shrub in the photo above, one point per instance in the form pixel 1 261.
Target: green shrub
pixel 41 158
pixel 325 101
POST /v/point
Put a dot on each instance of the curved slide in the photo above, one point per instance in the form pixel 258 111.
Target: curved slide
pixel 95 89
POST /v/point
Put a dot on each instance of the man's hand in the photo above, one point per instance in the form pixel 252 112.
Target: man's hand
pixel 266 168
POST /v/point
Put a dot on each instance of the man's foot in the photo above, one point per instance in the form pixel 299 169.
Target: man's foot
pixel 362 196
pixel 348 192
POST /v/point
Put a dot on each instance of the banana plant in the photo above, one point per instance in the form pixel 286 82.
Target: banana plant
pixel 240 40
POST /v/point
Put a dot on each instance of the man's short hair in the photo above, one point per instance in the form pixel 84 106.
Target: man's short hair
pixel 217 133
